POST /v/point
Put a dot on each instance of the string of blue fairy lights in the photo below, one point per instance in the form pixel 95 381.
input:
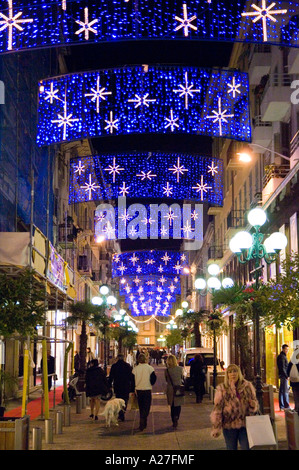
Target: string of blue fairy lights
pixel 34 24
pixel 139 99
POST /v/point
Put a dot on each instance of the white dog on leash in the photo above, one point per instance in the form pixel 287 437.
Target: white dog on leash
pixel 112 409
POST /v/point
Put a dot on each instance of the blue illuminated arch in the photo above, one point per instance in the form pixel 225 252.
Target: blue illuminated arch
pixel 139 99
pixel 36 23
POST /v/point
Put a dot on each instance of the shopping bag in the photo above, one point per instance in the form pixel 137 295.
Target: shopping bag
pixel 134 402
pixel 179 390
pixel 260 432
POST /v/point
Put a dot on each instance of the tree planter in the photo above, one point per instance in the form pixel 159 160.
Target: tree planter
pixel 14 433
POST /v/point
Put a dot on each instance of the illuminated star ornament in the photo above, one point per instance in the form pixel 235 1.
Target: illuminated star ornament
pixel 201 187
pixel 86 25
pixel 233 88
pixel 178 170
pixel 52 94
pixel 79 168
pixel 65 120
pixel 89 187
pixel 98 94
pixel 220 116
pixel 265 13
pixel 186 90
pixel 172 123
pixel 186 22
pixel 111 124
pixel 213 169
pixel 142 100
pixel 114 169
pixel 12 21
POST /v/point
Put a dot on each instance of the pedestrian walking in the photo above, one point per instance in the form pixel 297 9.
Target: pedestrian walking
pixel 89 356
pixel 51 368
pixel 282 365
pixel 293 373
pixel 174 377
pixel 234 400
pixel 122 381
pixel 77 362
pixel 144 377
pixel 130 359
pixel 198 375
pixel 96 386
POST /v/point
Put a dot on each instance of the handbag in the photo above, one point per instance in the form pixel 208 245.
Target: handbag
pixel 134 402
pixel 260 432
pixel 178 390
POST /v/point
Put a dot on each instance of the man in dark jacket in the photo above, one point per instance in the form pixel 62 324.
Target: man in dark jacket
pixel 122 380
pixel 282 364
pixel 96 385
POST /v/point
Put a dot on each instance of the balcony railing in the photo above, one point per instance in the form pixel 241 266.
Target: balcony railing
pixel 257 122
pixel 215 252
pixel 294 144
pixel 275 171
pixel 235 219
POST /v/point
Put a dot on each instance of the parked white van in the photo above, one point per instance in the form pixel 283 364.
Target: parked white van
pixel 187 358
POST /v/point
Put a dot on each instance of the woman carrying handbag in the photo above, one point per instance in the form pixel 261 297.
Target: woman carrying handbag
pixel 175 396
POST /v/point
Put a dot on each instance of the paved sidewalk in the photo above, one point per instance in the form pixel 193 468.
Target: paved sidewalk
pixel 192 433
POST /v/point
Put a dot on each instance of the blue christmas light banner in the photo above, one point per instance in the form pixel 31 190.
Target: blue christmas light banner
pixel 144 263
pixel 36 23
pixel 150 294
pixel 149 221
pixel 138 175
pixel 148 285
pixel 142 99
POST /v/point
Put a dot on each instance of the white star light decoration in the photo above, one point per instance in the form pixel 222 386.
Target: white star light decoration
pixel 98 94
pixel 172 122
pixel 52 94
pixel 86 26
pixel 89 187
pixel 178 170
pixel 186 22
pixel 12 21
pixel 142 100
pixel 65 120
pixel 233 88
pixel 265 13
pixel 114 169
pixel 79 168
pixel 186 90
pixel 201 188
pixel 111 124
pixel 220 116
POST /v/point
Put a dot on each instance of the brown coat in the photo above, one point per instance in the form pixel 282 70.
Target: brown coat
pixel 176 374
pixel 232 406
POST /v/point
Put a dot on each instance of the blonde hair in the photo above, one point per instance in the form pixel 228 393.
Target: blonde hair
pixel 171 361
pixel 230 368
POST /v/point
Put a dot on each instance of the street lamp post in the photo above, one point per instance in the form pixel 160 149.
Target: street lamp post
pixel 203 287
pixel 251 247
pixel 107 301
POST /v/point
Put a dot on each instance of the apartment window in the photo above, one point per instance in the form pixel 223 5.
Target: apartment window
pixel 146 326
pixel 147 340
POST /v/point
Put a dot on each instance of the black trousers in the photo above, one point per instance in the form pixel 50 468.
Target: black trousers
pixel 144 398
pixel 175 412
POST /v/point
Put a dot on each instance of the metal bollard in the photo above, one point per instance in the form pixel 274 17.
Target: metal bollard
pixel 67 415
pixel 83 400
pixel 37 438
pixel 49 431
pixel 87 401
pixel 78 404
pixel 59 422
